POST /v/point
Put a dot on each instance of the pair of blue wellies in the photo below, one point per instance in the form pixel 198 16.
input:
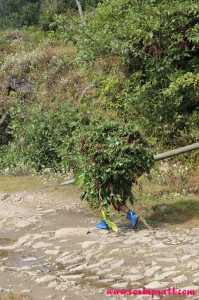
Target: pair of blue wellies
pixel 131 216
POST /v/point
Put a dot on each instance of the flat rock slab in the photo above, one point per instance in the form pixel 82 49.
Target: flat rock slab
pixel 52 252
pixel 3 196
pixel 41 245
pixel 180 279
pixel 133 278
pixel 88 244
pixel 45 279
pixel 157 285
pixel 65 232
pixel 195 231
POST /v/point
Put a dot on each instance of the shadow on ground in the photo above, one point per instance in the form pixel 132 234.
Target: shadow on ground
pixel 179 212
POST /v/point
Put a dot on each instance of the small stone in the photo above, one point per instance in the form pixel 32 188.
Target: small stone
pixel 194 231
pixel 115 276
pixel 41 245
pixel 164 275
pixel 64 254
pixel 93 266
pixel 79 268
pixel 71 277
pixel 159 245
pixel 168 260
pixel 9 291
pixel 196 281
pixel 121 285
pixel 149 272
pixel 37 236
pixel 50 297
pixel 45 279
pixel 92 278
pixel 52 284
pixel 88 244
pixel 117 264
pixel 141 251
pixel 3 196
pixel 144 232
pixel 193 266
pixel 133 277
pixel 26 291
pixel 180 279
pixel 191 287
pixel 105 280
pixel 130 242
pixel 25 268
pixel 166 269
pixel 29 259
pixel 65 232
pixel 184 258
pixel 21 241
pixel 156 285
pixel 23 224
pixel 114 251
pixel 52 252
pixel 49 211
pixel 30 197
pixel 28 244
pixel 67 261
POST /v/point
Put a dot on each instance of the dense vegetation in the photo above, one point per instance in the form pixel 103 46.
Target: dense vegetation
pixel 126 73
pixel 21 13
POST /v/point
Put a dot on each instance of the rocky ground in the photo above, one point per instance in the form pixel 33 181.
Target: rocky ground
pixel 50 249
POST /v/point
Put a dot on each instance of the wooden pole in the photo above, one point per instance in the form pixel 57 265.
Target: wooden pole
pixel 175 152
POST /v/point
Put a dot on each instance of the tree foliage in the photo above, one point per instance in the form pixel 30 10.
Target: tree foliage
pixel 21 13
pixel 156 44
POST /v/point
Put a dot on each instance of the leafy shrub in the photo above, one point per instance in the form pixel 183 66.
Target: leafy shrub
pixel 157 46
pixel 21 14
pixel 48 11
pixel 114 156
pixel 41 137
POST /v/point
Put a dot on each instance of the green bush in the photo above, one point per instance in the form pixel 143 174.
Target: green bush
pixel 48 11
pixel 41 137
pixel 114 155
pixel 25 14
pixel 156 44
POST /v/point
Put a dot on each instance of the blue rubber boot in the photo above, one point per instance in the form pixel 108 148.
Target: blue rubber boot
pixel 102 225
pixel 133 217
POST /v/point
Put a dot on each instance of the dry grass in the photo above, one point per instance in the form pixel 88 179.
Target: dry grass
pixel 12 184
pixel 64 50
pixel 12 297
pixel 161 204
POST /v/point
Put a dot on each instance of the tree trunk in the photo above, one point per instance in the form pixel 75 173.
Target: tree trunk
pixel 80 9
pixel 1 9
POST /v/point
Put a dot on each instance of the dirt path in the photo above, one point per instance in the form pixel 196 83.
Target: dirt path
pixel 50 249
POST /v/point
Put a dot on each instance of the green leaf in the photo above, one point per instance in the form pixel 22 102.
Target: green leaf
pixel 78 178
